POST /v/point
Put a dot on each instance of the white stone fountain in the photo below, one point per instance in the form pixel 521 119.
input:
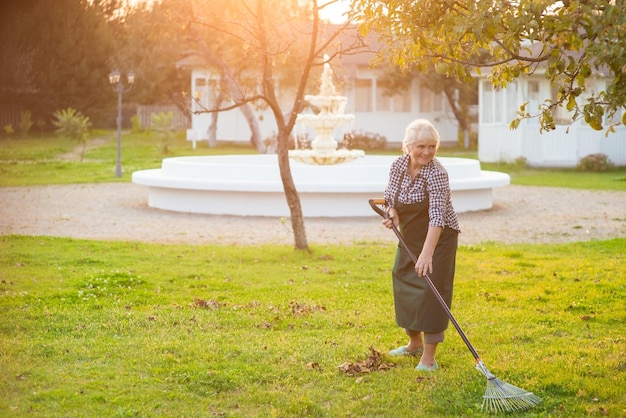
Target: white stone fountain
pixel 331 115
pixel 250 185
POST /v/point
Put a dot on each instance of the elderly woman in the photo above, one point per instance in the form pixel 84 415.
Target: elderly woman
pixel 418 201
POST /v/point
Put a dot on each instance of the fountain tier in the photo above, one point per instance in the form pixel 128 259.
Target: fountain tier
pixel 331 108
pixel 250 185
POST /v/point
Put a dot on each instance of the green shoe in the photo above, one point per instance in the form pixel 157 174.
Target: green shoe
pixel 425 368
pixel 402 351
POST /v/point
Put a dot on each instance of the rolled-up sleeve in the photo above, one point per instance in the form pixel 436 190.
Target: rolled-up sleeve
pixel 394 182
pixel 439 196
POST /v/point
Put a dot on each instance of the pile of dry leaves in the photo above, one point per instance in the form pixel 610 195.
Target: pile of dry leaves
pixel 372 363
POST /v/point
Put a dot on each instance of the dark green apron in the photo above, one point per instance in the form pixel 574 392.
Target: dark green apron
pixel 416 306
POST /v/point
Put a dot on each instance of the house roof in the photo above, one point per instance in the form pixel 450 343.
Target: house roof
pixel 191 61
pixel 537 49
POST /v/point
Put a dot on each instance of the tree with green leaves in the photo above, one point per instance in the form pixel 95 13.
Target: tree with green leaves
pixel 570 41
pixel 149 39
pixel 56 56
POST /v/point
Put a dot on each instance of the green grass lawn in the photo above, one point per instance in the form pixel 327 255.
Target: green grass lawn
pixel 35 161
pixel 97 328
pixel 132 329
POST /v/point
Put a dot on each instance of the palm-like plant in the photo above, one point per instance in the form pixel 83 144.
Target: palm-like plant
pixel 74 125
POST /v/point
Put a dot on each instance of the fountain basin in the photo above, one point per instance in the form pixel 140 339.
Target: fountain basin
pixel 317 158
pixel 250 185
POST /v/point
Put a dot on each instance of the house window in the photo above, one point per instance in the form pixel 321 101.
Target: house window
pixel 200 93
pixel 533 97
pixel 399 102
pixel 494 102
pixel 363 88
pixel 429 101
pixel 383 100
pixel 487 107
pixel 512 101
pixel 402 102
pixel 560 114
pixel 205 93
pixel 617 117
pixel 371 96
pixel 533 90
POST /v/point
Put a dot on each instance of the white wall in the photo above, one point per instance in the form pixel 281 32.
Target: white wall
pixel 233 127
pixel 562 147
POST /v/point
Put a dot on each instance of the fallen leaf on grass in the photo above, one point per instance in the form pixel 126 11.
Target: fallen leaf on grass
pixel 372 363
pixel 304 309
pixel 313 365
pixel 208 304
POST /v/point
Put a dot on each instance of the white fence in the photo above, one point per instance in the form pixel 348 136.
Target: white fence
pixel 180 121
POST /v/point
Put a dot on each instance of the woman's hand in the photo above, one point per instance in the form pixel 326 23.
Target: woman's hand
pixel 424 265
pixel 391 219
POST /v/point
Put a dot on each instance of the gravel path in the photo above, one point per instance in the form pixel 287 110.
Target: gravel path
pixel 119 211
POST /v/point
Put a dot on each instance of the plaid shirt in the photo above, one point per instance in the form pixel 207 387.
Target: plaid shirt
pixel 432 179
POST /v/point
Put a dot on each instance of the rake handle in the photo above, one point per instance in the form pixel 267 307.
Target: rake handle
pixel 374 204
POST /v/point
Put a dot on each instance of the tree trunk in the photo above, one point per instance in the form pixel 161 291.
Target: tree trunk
pixel 212 130
pixel 460 112
pixel 233 87
pixel 291 194
pixel 255 136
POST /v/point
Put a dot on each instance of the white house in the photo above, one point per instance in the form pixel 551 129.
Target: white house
pixel 374 111
pixel 562 147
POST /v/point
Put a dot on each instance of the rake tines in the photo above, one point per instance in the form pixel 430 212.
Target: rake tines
pixel 504 397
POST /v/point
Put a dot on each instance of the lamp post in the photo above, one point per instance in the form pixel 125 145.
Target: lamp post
pixel 115 78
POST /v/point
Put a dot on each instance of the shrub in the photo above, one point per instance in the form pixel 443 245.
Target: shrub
pixel 300 141
pixel 26 122
pixel 363 140
pixel 73 125
pixel 135 124
pixel 163 124
pixel 521 162
pixel 595 162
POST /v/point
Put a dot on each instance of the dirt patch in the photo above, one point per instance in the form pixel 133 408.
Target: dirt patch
pixel 119 211
pixel 76 153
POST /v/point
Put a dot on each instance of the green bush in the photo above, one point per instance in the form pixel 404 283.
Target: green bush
pixel 163 123
pixel 135 124
pixel 363 140
pixel 73 125
pixel 595 162
pixel 521 162
pixel 26 122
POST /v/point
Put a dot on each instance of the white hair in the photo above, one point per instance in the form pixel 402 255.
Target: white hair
pixel 419 130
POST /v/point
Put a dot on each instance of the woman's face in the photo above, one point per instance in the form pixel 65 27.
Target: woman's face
pixel 423 151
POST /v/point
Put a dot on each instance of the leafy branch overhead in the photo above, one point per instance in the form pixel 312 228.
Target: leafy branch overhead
pixel 570 42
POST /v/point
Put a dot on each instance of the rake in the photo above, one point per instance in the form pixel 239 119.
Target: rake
pixel 499 395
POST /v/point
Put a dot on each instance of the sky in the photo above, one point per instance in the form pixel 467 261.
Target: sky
pixel 332 12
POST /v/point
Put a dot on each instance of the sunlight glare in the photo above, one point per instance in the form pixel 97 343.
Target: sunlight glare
pixel 334 12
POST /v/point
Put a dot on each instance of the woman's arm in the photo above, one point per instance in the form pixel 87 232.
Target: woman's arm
pixel 424 263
